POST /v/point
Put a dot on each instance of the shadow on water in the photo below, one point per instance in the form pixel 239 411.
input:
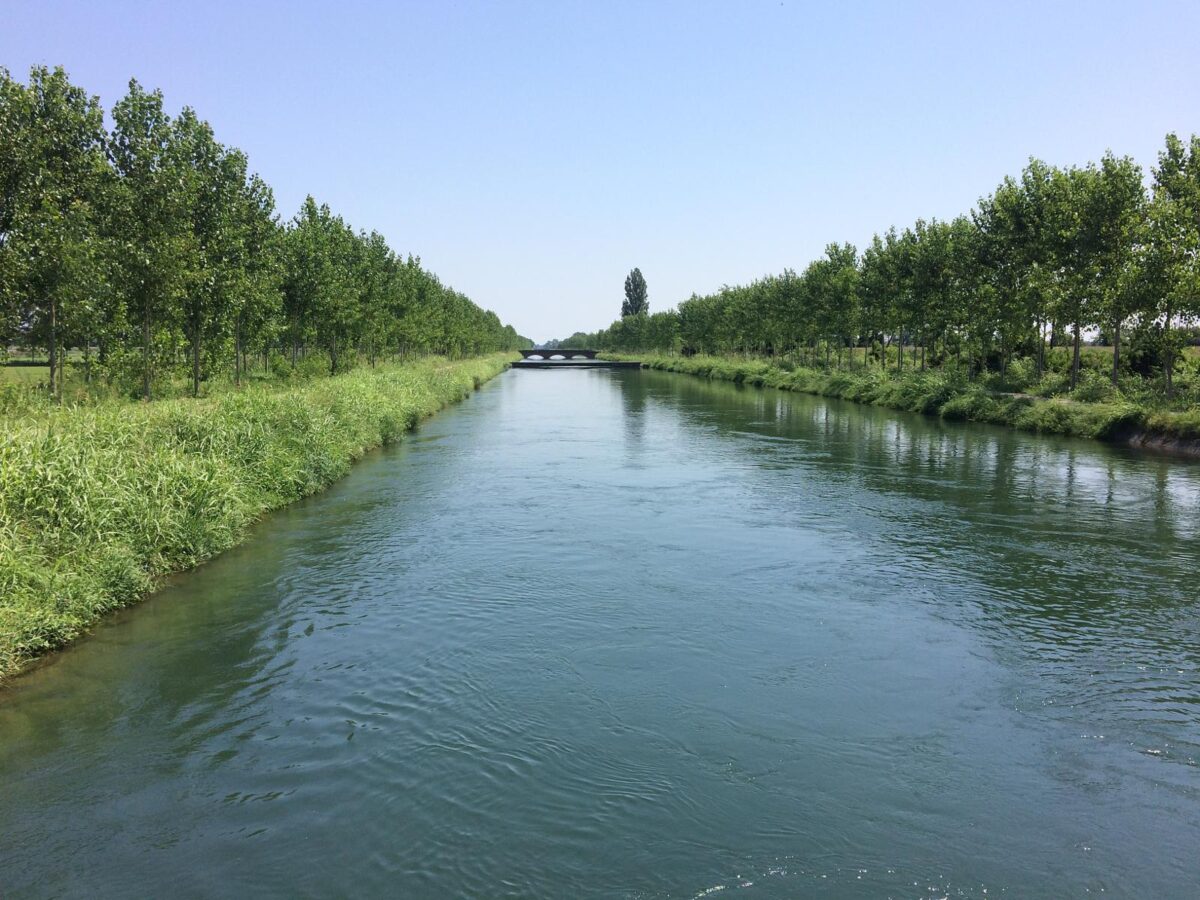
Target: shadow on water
pixel 1060 522
pixel 633 402
pixel 1073 557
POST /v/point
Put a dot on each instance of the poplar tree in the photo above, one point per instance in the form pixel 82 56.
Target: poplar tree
pixel 1119 208
pixel 1174 234
pixel 636 301
pixel 52 170
pixel 155 244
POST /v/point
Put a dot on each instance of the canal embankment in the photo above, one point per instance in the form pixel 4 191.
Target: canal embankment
pixel 933 393
pixel 99 502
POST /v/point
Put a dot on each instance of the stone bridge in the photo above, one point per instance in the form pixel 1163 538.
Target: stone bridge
pixel 559 353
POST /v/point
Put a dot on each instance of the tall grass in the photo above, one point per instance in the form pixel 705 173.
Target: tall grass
pixel 953 397
pixel 97 502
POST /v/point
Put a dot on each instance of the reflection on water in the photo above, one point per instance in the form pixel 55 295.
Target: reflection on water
pixel 635 634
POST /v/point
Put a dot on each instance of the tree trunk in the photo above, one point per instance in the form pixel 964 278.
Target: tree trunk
pixel 1075 356
pixel 1041 347
pixel 237 352
pixel 196 359
pixel 146 348
pixel 1116 352
pixel 1169 354
pixel 54 392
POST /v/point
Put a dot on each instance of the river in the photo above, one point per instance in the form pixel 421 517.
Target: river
pixel 632 634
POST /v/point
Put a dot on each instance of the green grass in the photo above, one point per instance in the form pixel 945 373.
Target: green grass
pixel 98 502
pixel 24 375
pixel 936 393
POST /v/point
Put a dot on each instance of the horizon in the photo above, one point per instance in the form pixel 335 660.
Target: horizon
pixel 533 157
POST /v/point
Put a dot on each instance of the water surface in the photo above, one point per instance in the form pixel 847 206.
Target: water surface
pixel 630 634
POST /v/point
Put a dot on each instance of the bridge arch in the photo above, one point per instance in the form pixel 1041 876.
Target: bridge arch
pixel 564 352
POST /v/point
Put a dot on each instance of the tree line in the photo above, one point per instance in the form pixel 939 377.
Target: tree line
pixel 1047 258
pixel 149 248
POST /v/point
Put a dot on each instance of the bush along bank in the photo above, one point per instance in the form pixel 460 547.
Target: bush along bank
pixel 98 502
pixel 955 398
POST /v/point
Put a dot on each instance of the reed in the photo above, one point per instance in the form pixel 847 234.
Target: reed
pixel 98 502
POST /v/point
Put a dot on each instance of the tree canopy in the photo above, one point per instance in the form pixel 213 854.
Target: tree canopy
pixel 152 248
pixel 636 302
pixel 1048 256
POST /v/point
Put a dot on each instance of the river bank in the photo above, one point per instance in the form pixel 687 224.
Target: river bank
pixel 97 503
pixel 935 394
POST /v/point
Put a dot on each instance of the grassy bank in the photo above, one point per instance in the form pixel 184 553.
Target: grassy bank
pixel 935 393
pixel 97 502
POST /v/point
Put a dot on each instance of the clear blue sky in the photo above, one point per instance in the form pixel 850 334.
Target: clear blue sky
pixel 533 153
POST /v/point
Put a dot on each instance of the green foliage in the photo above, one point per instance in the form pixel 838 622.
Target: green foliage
pixel 1184 425
pixel 98 502
pixel 951 397
pixel 154 251
pixel 52 178
pixel 1020 375
pixel 974 405
pixel 1172 258
pixel 1002 295
pixel 1052 384
pixel 1094 388
pixel 636 302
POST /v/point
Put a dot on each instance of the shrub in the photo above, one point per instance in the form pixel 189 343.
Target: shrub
pixel 974 405
pixel 1022 373
pixel 1094 388
pixel 1052 384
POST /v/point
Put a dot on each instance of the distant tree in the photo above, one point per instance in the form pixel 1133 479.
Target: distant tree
pixel 580 339
pixel 1174 255
pixel 635 295
pixel 1048 257
pixel 1018 243
pixel 1121 285
pixel 878 288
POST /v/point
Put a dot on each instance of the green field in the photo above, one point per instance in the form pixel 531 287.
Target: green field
pixel 24 374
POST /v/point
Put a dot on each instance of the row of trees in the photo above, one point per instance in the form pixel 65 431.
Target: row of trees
pixel 1049 257
pixel 151 243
